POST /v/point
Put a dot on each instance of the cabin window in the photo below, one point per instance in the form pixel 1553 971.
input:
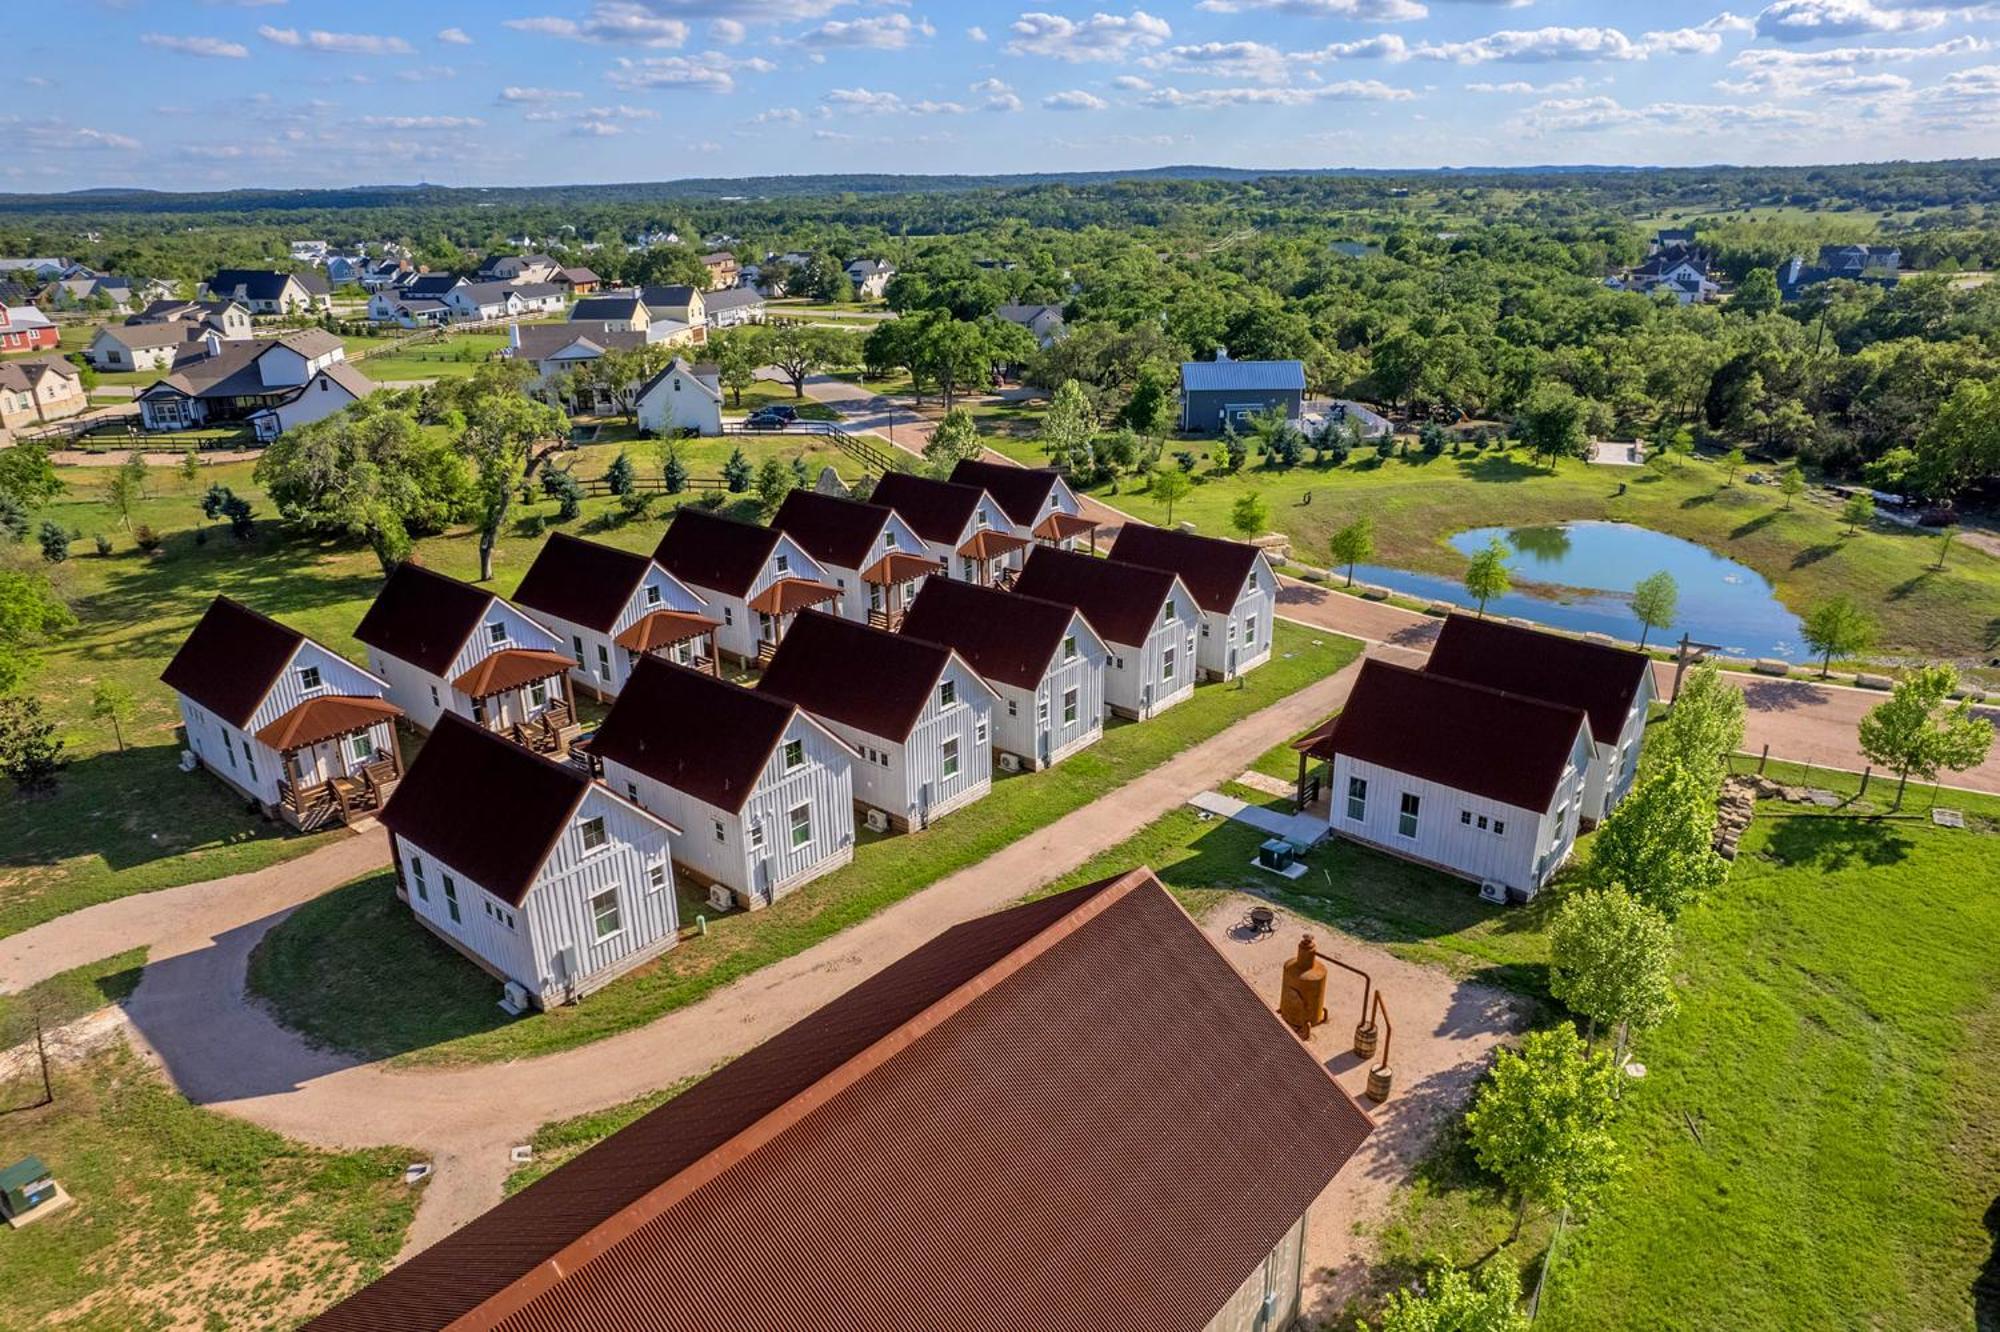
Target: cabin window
pixel 228 748
pixel 979 518
pixel 1041 713
pixel 434 697
pixel 632 792
pixel 656 877
pixel 802 828
pixel 757 835
pixel 451 897
pixel 1499 827
pixel 1069 648
pixel 603 661
pixel 1013 708
pixel 783 564
pixel 1250 631
pixel 417 879
pixel 594 835
pixel 795 754
pixel 1357 798
pixel 308 678
pixel 1167 612
pixel 721 833
pixel 1167 666
pixel 604 912
pixel 496 632
pixel 538 694
pixel 576 645
pixel 979 733
pixel 479 711
pixel 948 758
pixel 652 595
pixel 361 748
pixel 1069 707
pixel 1406 816
pixel 888 540
pixel 947 694
pixel 249 761
pixel 728 615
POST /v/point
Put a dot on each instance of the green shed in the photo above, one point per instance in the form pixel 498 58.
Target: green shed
pixel 24 1186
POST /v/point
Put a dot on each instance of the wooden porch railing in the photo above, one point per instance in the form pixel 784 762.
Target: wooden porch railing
pixel 550 733
pixel 320 804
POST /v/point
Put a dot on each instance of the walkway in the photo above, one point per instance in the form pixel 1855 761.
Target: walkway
pixel 223 1051
pixel 1300 828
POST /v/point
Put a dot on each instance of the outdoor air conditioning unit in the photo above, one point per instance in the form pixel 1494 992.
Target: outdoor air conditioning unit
pixel 877 821
pixel 1010 763
pixel 1496 893
pixel 720 898
pixel 188 761
pixel 513 999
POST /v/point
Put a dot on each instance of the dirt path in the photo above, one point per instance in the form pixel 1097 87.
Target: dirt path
pixel 223 1051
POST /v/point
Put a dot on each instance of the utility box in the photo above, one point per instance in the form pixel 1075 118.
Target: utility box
pixel 27 1189
pixel 1277 854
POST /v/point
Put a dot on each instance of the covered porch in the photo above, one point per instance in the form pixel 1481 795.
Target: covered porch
pixel 523 694
pixel 681 637
pixel 778 604
pixel 338 757
pixel 1065 530
pixel 988 559
pixel 892 583
pixel 1312 791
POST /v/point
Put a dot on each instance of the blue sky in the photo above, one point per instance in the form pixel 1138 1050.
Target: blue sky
pixel 220 93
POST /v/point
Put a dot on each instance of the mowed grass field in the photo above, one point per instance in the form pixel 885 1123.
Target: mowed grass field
pixel 121 823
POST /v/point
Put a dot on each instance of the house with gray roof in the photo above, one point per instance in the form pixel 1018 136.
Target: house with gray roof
pixel 271 293
pixel 1044 321
pixel 736 305
pixel 1223 392
pixel 271 384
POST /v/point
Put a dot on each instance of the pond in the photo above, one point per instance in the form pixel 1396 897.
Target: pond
pixel 1585 573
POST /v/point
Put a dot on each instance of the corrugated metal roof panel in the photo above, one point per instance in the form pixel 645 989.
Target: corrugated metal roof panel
pixel 1255 376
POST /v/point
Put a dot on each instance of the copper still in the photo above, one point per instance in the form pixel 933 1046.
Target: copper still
pixel 1302 1001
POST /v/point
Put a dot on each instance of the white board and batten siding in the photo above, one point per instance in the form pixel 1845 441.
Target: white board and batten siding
pixel 552 943
pixel 1138 682
pixel 854 593
pixel 254 768
pixel 424 697
pixel 1615 766
pixel 907 780
pixel 1241 640
pixel 752 851
pixel 602 667
pixel 1064 713
pixel 1516 847
pixel 742 627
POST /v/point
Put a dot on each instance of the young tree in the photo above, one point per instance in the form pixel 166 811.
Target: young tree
pixel 1068 428
pixel 190 463
pixel 1486 576
pixel 620 478
pixel 217 496
pixel 1610 962
pixel 1919 731
pixel 1945 538
pixel 1791 484
pixel 1732 462
pixel 1542 1124
pixel 774 482
pixel 241 516
pixel 1170 485
pixel 955 439
pixel 27 475
pixel 112 702
pixel 1653 602
pixel 14 523
pixel 1704 726
pixel 1450 1299
pixel 1659 844
pixel 1150 409
pixel 31 753
pixel 1837 627
pixel 1858 512
pixel 560 485
pixel 127 486
pixel 30 614
pixel 674 472
pixel 737 472
pixel 55 542
pixel 1552 423
pixel 1250 516
pixel 1353 544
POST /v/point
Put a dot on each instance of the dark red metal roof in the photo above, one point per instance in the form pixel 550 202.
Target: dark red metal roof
pixel 423 617
pixel 1507 747
pixel 1021 492
pixel 1002 635
pixel 1602 680
pixel 698 734
pixel 832 530
pixel 935 510
pixel 867 678
pixel 584 582
pixel 707 550
pixel 1121 601
pixel 1214 571
pixel 1073 1114
pixel 231 660
pixel 489 808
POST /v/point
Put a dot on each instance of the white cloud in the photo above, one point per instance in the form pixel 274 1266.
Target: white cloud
pixel 615 22
pixel 1584 114
pixel 426 73
pixel 1374 11
pixel 1132 83
pixel 1100 37
pixel 996 95
pixel 422 122
pixel 1791 73
pixel 1865 85
pixel 726 31
pixel 1521 89
pixel 1225 60
pixel 51 135
pixel 975 33
pixel 1384 46
pixel 1351 90
pixel 454 37
pixel 778 115
pixel 1536 45
pixel 1811 20
pixel 596 129
pixel 864 100
pixel 884 32
pixel 708 72
pixel 335 43
pixel 1076 99
pixel 513 93
pixel 212 47
pixel 1702 39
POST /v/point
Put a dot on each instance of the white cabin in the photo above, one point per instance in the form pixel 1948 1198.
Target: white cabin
pixel 1146 617
pixel 874 558
pixel 755 579
pixel 682 399
pixel 1038 502
pixel 1232 583
pixel 963 528
pixel 611 607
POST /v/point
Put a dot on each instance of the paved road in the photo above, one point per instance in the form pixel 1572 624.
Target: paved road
pixel 224 1051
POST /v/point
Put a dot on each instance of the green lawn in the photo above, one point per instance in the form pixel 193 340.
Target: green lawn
pixel 185 1218
pixel 327 970
pixel 69 995
pixel 1418 503
pixel 454 354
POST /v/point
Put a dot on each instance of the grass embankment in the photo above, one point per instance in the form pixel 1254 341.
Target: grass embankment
pixel 128 823
pixel 355 971
pixel 563 1140
pixel 69 995
pixel 186 1218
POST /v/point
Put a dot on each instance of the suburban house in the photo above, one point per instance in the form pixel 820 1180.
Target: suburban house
pixel 269 293
pixel 1613 685
pixel 446 646
pixel 286 721
pixel 75 293
pixel 963 1142
pixel 722 269
pixel 273 384
pixel 579 281
pixel 38 269
pixel 1043 662
pixel 1222 392
pixel 617 311
pixel 345 270
pixel 1878 265
pixel 1678 268
pixel 1146 617
pixel 519 268
pixel 141 346
pixel 962 527
pixel 1044 321
pixel 917 716
pixel 873 557
pixel 756 579
pixel 474 301
pixel 1468 779
pixel 682 399
pixel 764 793
pixel 228 318
pixel 24 328
pixel 1230 581
pixel 733 306
pixel 35 390
pixel 416 303
pixel 870 277
pixel 387 272
pixel 544 878
pixel 614 607
pixel 684 309
pixel 1036 500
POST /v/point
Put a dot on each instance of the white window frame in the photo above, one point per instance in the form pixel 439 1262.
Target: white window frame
pixel 799 819
pixel 1409 813
pixel 948 758
pixel 1357 799
pixel 598 913
pixel 584 833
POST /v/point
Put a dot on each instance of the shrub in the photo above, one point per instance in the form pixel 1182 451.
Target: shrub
pixel 1385 446
pixel 149 540
pixel 55 543
pixel 103 543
